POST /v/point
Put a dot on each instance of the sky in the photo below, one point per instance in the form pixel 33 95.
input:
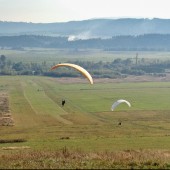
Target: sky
pixel 48 11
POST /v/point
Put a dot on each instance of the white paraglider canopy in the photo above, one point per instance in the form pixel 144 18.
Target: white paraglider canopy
pixel 119 102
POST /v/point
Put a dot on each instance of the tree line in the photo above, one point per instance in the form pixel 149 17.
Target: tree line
pixel 114 69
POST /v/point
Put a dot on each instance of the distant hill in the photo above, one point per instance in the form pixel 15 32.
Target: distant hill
pixel 94 28
pixel 107 34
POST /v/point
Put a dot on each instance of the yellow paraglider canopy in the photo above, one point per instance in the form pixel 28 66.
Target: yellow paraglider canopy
pixel 80 69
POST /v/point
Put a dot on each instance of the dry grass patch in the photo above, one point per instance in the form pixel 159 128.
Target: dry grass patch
pixel 15 147
pixel 6 121
pixel 65 158
pixel 5 114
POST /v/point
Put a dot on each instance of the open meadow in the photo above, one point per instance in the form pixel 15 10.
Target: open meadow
pixel 85 132
pixel 38 55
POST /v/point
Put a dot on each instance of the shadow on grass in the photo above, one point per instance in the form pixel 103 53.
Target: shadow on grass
pixel 12 140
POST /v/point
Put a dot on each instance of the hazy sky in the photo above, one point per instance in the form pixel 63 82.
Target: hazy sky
pixel 47 11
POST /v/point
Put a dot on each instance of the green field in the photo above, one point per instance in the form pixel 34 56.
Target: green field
pixel 86 123
pixel 38 55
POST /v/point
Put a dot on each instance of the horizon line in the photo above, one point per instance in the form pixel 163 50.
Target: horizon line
pixel 109 18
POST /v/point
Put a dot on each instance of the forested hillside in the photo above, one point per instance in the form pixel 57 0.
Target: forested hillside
pixel 151 42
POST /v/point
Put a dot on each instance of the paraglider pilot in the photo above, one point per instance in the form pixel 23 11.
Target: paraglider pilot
pixel 63 102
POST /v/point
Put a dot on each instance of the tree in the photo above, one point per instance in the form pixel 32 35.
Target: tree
pixel 2 61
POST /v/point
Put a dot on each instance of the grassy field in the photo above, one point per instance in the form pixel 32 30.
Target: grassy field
pixel 38 55
pixel 85 132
